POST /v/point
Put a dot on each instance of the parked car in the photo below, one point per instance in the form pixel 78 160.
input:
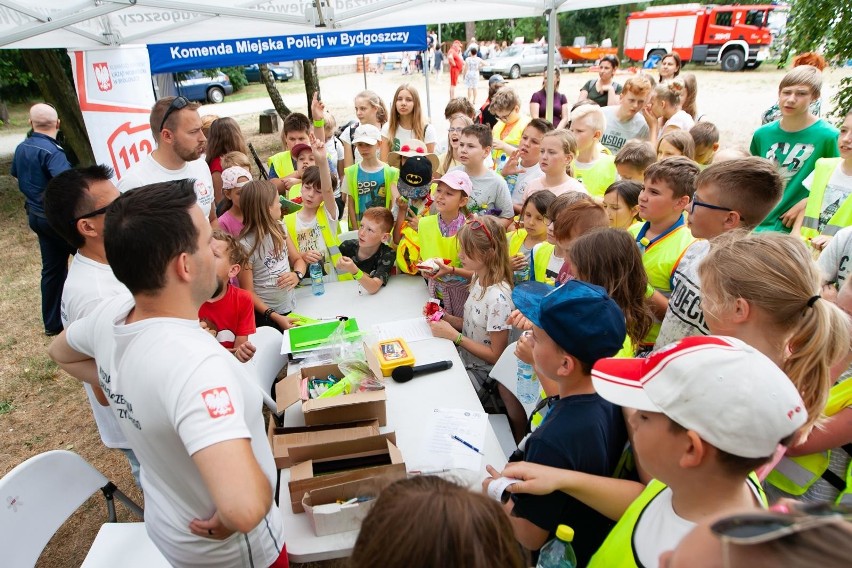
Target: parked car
pixel 280 72
pixel 196 86
pixel 518 60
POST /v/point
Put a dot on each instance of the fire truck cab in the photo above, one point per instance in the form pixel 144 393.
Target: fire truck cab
pixel 736 37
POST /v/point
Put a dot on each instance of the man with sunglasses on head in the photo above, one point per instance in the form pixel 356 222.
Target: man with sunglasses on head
pixel 75 203
pixel 176 126
pixel 38 159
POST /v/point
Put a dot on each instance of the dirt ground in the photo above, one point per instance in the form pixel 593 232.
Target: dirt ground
pixel 41 408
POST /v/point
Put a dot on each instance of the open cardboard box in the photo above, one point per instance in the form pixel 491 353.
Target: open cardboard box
pixel 327 517
pixel 343 408
pixel 325 465
pixel 282 439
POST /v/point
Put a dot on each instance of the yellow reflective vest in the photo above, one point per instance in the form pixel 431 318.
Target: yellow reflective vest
pixel 823 170
pixel 283 164
pixel 332 243
pixel 350 176
pixel 433 244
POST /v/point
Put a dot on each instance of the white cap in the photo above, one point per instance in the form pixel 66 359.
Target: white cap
pixel 729 393
pixel 368 134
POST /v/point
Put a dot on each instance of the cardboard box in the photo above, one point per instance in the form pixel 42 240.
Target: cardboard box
pixel 327 517
pixel 334 410
pixel 325 465
pixel 282 439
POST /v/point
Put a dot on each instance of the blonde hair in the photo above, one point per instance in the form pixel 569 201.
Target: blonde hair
pixel 776 274
pixel 418 125
pixel 449 156
pixel 235 158
pixel 377 103
pixel 506 100
pixel 569 145
pixel 671 92
pixel 681 140
pixel 639 85
pixel 488 244
pixel 803 75
pixel 255 201
pixel 593 114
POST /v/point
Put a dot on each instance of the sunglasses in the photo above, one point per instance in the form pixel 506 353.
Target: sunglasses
pixel 756 528
pixel 177 104
pixel 477 225
pixel 699 203
pixel 90 214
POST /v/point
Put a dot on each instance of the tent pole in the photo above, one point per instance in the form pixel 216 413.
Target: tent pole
pixel 364 69
pixel 428 94
pixel 551 46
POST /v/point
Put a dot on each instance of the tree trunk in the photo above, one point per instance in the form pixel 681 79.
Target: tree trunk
pixel 622 28
pixel 268 79
pixel 309 68
pixel 57 89
pixel 469 32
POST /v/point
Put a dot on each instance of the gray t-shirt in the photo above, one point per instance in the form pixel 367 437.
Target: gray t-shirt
pixel 834 260
pixel 617 133
pixel 490 192
pixel 684 317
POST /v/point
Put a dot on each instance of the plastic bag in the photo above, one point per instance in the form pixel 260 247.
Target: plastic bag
pixel 341 345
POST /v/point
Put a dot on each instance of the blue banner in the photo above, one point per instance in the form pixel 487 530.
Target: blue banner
pixel 174 57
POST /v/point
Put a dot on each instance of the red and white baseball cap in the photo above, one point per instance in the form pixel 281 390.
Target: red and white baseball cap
pixel 729 393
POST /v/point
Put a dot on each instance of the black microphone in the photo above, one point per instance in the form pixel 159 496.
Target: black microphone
pixel 407 372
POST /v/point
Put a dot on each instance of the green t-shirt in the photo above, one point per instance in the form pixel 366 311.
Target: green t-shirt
pixel 795 154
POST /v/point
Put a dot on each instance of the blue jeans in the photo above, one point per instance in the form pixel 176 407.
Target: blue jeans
pixel 55 252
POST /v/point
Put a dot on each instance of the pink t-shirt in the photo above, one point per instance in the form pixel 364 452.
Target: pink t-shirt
pixel 570 185
pixel 230 224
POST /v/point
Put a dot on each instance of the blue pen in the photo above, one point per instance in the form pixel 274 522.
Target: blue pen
pixel 468 444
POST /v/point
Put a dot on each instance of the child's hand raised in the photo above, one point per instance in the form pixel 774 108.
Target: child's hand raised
pixel 318 147
pixel 317 107
pixel 513 165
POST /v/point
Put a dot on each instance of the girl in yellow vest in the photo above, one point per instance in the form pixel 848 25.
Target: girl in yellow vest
pixel 314 227
pixel 595 165
pixel 763 288
pixel 828 209
pixel 532 232
pixel 437 237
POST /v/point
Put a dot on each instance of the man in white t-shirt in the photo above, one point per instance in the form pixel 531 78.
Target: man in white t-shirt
pixel 75 202
pixel 626 121
pixel 176 126
pixel 185 404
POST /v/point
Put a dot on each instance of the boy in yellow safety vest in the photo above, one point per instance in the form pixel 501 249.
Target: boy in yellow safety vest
pixel 693 431
pixel 295 130
pixel 594 165
pixel 828 210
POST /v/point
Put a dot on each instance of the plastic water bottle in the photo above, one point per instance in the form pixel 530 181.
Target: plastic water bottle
pixel 527 389
pixel 317 286
pixel 522 275
pixel 558 553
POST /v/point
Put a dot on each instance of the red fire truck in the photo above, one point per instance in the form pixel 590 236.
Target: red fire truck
pixel 735 36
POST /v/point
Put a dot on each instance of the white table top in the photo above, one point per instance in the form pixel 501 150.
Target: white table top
pixel 408 404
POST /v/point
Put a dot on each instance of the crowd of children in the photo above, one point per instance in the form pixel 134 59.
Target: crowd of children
pixel 678 320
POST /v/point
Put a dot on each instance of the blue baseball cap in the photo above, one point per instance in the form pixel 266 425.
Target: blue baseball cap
pixel 580 317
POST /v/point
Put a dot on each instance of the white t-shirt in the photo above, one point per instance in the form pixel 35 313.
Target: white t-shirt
pixel 266 268
pixel 684 317
pixel 484 313
pixel 659 529
pixel 837 189
pixel 175 391
pixel 834 260
pixel 518 186
pixel 89 283
pixel 148 171
pixel 403 135
pixel 309 237
pixel 680 119
pixel 571 184
pixel 617 133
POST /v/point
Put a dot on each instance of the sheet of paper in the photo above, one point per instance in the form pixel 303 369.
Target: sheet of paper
pixel 441 451
pixel 413 329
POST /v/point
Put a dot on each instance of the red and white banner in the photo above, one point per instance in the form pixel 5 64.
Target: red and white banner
pixel 116 96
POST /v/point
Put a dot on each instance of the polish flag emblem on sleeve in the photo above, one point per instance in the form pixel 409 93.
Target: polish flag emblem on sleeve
pixel 218 402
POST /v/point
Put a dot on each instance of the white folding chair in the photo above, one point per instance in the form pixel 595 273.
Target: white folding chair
pixel 41 493
pixel 267 361
pixel 347 236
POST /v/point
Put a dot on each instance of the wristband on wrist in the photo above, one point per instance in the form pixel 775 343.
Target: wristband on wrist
pixel 358 275
pixel 319 123
pixel 268 313
pixel 459 339
pixel 453 269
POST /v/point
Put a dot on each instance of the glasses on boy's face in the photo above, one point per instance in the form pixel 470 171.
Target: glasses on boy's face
pixel 697 202
pixel 477 225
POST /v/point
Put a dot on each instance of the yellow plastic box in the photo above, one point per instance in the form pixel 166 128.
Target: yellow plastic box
pixel 393 353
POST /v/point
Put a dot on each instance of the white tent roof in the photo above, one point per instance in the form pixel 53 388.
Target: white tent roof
pixel 97 23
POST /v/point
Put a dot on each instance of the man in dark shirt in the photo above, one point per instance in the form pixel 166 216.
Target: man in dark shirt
pixel 368 258
pixel 38 159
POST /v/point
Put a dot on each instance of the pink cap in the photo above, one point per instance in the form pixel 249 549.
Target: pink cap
pixel 458 180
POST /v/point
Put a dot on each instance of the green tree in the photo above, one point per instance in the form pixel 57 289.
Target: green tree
pixel 825 26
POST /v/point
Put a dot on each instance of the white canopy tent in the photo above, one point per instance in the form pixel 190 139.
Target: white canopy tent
pixel 86 24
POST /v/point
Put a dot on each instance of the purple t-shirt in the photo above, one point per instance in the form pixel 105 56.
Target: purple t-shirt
pixel 559 99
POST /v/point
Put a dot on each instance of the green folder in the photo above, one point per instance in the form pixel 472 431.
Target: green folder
pixel 307 337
